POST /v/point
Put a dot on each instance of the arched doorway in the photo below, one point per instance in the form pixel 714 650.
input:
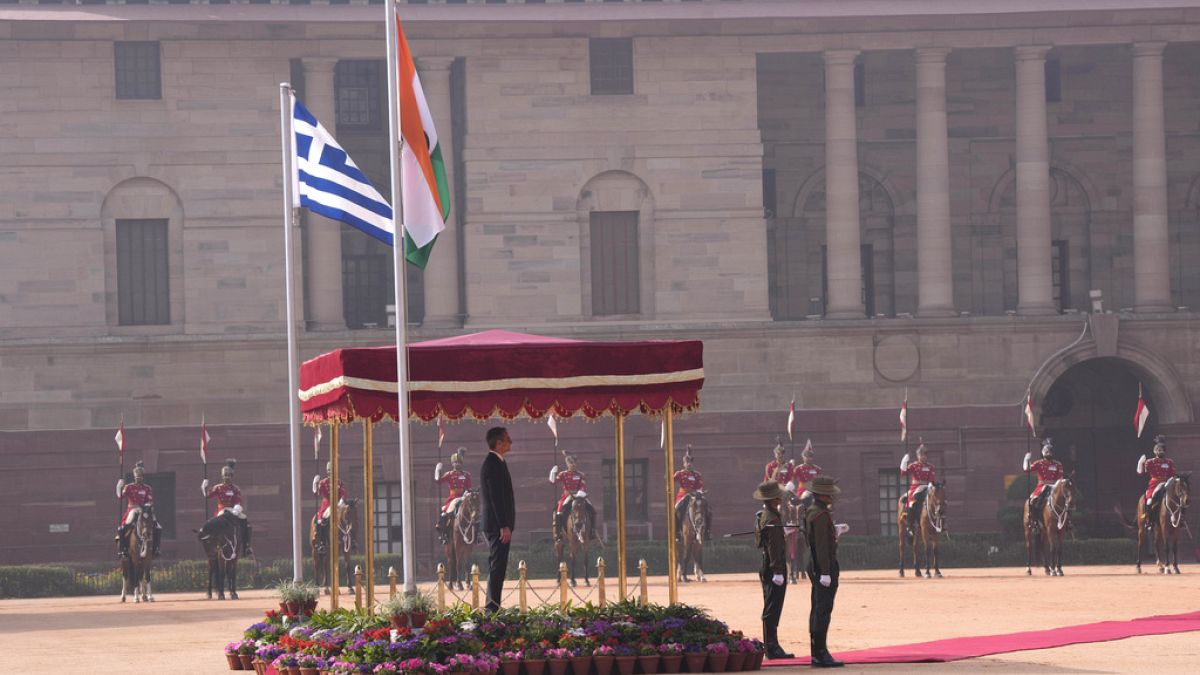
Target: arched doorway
pixel 1088 411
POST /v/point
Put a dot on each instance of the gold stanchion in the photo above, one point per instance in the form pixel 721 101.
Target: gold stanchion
pixel 600 581
pixel 643 595
pixel 620 430
pixel 521 584
pixel 335 582
pixel 475 586
pixel 672 582
pixel 392 582
pixel 562 586
pixel 369 509
pixel 358 587
pixel 441 587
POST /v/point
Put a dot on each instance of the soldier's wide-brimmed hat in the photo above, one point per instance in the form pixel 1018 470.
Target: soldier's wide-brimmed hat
pixel 768 489
pixel 823 485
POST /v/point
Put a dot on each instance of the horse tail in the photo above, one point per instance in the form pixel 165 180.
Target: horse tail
pixel 1121 517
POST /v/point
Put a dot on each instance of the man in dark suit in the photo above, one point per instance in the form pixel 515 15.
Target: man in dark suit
pixel 499 511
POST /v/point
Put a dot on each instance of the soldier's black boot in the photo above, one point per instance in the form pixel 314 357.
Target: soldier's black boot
pixel 157 541
pixel 821 658
pixel 122 543
pixel 771 640
pixel 246 550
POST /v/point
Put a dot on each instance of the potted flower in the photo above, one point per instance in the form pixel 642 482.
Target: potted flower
pixel 718 656
pixel 231 655
pixel 487 664
pixel 737 655
pixel 419 605
pixel 647 658
pixel 310 664
pixel 603 656
pixel 510 661
pixel 626 659
pixel 306 598
pixel 288 594
pixel 754 650
pixel 460 664
pixel 285 663
pixel 557 659
pixel 245 652
pixel 264 655
pixel 535 658
pixel 396 609
pixel 671 655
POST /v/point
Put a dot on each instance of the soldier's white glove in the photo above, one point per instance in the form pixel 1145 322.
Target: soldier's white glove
pixel 825 580
pixel 1141 465
pixel 1025 464
pixel 121 486
pixel 437 471
pixel 790 487
pixel 204 487
pixel 237 509
pixel 904 463
pixel 841 528
pixel 341 502
pixel 777 579
pixel 553 473
pixel 316 483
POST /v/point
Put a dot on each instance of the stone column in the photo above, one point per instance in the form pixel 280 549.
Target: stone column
pixel 842 238
pixel 324 236
pixel 1035 286
pixel 935 289
pixel 441 274
pixel 1151 285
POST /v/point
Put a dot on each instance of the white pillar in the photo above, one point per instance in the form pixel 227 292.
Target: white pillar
pixel 1151 284
pixel 324 236
pixel 441 274
pixel 935 289
pixel 842 238
pixel 1035 286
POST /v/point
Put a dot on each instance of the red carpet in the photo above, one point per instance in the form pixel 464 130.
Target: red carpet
pixel 956 649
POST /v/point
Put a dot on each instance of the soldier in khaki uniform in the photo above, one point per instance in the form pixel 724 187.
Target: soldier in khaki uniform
pixel 768 536
pixel 822 567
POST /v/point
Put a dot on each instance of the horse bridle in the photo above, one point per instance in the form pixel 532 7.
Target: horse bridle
pixel 1061 516
pixel 578 525
pixel 937 521
pixel 145 530
pixel 697 517
pixel 1175 515
pixel 461 518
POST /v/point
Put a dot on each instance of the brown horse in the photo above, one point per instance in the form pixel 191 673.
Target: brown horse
pixel 222 543
pixel 346 540
pixel 1172 510
pixel 692 533
pixel 464 535
pixel 926 533
pixel 1044 534
pixel 135 569
pixel 580 530
pixel 794 537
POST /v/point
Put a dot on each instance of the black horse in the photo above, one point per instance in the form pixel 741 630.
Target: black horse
pixel 222 541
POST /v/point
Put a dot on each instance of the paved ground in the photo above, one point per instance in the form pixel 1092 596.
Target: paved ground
pixel 181 633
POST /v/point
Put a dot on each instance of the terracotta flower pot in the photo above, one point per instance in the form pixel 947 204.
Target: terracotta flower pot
pixel 695 661
pixel 557 666
pixel 293 670
pixel 625 664
pixel 533 666
pixel 737 661
pixel 758 659
pixel 417 619
pixel 717 662
pixel 581 665
pixel 669 663
pixel 247 661
pixel 648 664
pixel 309 608
pixel 292 607
pixel 235 663
pixel 283 607
pixel 604 663
pixel 308 671
pixel 510 667
pixel 399 620
pixel 260 666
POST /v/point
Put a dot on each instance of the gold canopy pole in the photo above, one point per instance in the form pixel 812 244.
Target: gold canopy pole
pixel 334 581
pixel 669 432
pixel 369 509
pixel 620 428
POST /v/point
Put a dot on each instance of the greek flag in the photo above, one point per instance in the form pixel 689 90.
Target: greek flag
pixel 329 183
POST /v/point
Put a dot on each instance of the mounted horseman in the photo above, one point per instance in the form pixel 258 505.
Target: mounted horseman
pixel 921 475
pixel 574 486
pixel 459 481
pixel 229 505
pixel 690 483
pixel 1161 469
pixel 1049 471
pixel 138 496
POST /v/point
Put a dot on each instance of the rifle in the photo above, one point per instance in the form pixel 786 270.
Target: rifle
pixel 743 534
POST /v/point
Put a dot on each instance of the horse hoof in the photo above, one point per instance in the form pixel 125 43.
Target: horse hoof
pixel 704 579
pixel 927 575
pixel 572 583
pixel 901 574
pixel 587 583
pixel 938 574
pixel 150 599
pixel 1028 572
pixel 122 598
pixel 233 596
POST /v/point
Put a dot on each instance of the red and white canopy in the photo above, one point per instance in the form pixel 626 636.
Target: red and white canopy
pixel 508 375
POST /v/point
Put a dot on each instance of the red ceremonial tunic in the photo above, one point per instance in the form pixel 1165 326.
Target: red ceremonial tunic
pixel 803 475
pixel 323 491
pixel 1160 470
pixel 688 481
pixel 138 494
pixel 228 496
pixel 572 482
pixel 784 470
pixel 459 482
pixel 919 473
pixel 1048 471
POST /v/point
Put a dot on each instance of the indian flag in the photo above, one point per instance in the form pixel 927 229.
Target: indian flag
pixel 424 192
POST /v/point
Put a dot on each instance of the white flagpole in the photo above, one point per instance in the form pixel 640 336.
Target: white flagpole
pixel 398 271
pixel 289 210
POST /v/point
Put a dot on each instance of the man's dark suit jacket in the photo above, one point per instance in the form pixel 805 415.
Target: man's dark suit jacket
pixel 499 511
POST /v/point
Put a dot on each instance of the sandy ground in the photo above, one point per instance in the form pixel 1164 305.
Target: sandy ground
pixel 183 633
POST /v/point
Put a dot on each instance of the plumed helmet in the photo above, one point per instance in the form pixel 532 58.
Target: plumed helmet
pixel 227 470
pixel 570 458
pixel 921 449
pixel 139 469
pixel 687 455
pixel 459 456
pixel 1160 441
pixel 808 453
pixel 1047 446
pixel 328 468
pixel 778 449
